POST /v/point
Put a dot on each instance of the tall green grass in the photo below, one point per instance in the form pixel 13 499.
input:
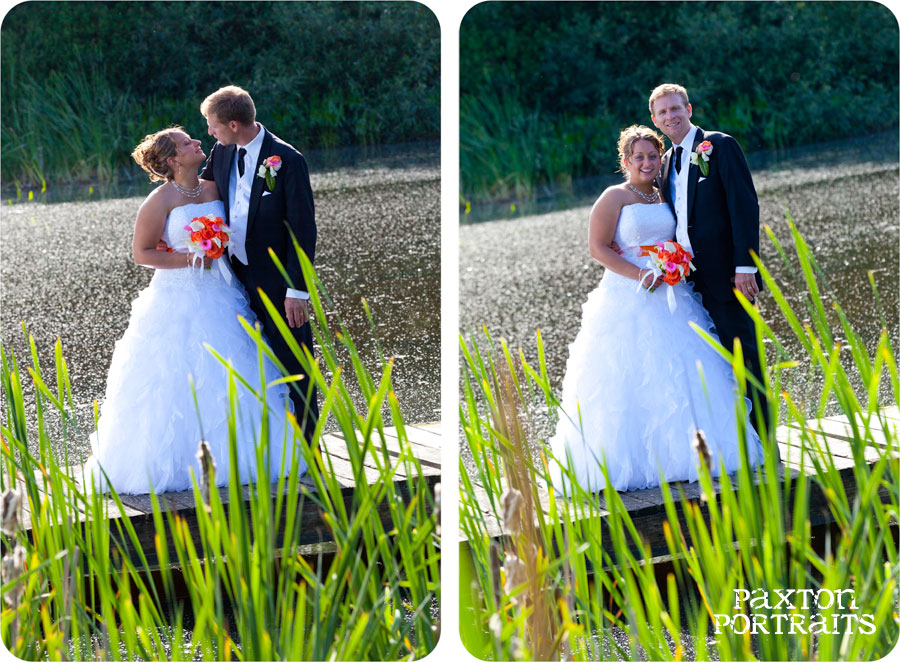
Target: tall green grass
pixel 509 151
pixel 70 127
pixel 589 573
pixel 77 584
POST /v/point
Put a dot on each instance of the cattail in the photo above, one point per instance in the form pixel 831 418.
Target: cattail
pixel 437 508
pixel 496 624
pixel 495 571
pixel 516 647
pixel 11 504
pixel 11 567
pixel 207 471
pixel 516 575
pixel 700 446
pixel 513 502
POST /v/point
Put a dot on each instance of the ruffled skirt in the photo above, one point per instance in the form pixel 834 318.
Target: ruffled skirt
pixel 149 429
pixel 639 381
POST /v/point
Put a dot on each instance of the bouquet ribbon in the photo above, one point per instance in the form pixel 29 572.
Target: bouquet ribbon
pixel 197 261
pixel 656 272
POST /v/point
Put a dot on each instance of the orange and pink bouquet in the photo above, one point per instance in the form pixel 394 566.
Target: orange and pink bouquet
pixel 672 260
pixel 209 236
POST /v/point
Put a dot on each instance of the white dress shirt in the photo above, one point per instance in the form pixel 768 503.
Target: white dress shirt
pixel 239 189
pixel 678 189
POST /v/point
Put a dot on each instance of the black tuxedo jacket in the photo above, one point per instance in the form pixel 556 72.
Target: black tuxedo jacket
pixel 271 214
pixel 723 214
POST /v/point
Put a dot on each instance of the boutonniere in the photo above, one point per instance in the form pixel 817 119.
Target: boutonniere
pixel 268 170
pixel 700 157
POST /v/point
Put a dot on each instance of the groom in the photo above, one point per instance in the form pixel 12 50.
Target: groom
pixel 262 212
pixel 717 220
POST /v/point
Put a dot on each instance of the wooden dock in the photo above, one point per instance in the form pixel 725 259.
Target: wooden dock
pixel 425 440
pixel 647 509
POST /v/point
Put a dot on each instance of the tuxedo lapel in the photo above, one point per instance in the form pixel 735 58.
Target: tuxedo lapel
pixel 223 179
pixel 664 180
pixel 256 191
pixel 693 174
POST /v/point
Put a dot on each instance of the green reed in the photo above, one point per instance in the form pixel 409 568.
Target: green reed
pixel 79 585
pixel 590 570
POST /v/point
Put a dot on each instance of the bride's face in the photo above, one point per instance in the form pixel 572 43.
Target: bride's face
pixel 644 163
pixel 189 153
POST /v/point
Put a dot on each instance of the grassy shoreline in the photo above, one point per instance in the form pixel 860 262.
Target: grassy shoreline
pixel 73 591
pixel 768 166
pixel 532 597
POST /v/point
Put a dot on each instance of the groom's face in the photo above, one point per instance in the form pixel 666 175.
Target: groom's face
pixel 224 133
pixel 672 116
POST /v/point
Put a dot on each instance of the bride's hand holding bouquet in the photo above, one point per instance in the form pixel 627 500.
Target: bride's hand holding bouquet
pixel 671 265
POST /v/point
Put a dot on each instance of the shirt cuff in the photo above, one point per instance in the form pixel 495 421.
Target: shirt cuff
pixel 300 294
pixel 745 270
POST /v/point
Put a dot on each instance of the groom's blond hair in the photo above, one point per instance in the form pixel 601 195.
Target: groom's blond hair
pixel 667 88
pixel 230 103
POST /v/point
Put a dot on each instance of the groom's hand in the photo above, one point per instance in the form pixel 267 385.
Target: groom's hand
pixel 746 285
pixel 296 312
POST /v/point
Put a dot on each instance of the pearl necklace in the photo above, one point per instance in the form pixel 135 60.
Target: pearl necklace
pixel 647 198
pixel 189 192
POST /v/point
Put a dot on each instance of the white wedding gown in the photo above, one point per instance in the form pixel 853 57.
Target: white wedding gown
pixel 632 388
pixel 148 433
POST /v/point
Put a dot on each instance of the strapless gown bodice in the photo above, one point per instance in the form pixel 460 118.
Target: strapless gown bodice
pixel 642 225
pixel 176 234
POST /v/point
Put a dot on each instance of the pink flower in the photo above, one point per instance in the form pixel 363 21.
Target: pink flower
pixel 206 244
pixel 215 227
pixel 188 228
pixel 705 146
pixel 273 161
pixel 671 266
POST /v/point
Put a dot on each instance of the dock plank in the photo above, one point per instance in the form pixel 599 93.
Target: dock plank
pixel 647 510
pixel 312 529
pixel 427 454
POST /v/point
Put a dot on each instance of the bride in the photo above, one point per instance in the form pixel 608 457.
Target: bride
pixel 639 380
pixel 149 428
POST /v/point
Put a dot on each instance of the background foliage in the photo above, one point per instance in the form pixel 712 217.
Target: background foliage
pixel 546 87
pixel 82 82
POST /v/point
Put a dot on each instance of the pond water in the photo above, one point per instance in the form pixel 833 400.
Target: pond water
pixel 534 272
pixel 66 271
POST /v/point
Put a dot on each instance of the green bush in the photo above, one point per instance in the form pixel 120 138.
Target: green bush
pixel 321 74
pixel 771 74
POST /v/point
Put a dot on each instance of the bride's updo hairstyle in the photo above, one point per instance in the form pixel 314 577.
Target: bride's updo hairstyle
pixel 153 152
pixel 631 135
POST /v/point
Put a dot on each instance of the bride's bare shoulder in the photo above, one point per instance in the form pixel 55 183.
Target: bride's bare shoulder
pixel 614 197
pixel 160 200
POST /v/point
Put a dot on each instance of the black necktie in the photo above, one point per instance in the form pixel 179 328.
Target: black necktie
pixel 241 153
pixel 678 159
